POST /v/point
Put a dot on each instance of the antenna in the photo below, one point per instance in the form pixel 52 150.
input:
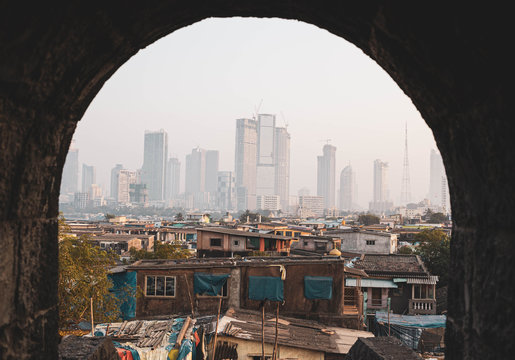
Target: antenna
pixel 285 121
pixel 405 188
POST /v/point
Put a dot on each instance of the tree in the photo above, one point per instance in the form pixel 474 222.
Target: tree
pixel 161 251
pixel 179 217
pixel 434 249
pixel 83 270
pixel 437 218
pixel 109 216
pixel 368 219
pixel 406 250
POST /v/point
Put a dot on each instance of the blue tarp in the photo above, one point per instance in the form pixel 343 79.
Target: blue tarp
pixel 318 287
pixel 208 284
pixel 124 288
pixel 419 321
pixel 266 288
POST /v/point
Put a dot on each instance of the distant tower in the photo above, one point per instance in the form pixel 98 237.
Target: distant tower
pixel 405 189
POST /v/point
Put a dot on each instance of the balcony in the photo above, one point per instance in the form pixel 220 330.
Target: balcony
pixel 422 307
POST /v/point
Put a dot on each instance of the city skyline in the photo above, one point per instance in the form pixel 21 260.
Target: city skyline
pixel 358 106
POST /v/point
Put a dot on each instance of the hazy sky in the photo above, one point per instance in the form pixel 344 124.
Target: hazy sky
pixel 197 81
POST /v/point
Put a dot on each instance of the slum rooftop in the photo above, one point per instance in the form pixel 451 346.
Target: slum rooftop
pixel 392 264
pixel 233 262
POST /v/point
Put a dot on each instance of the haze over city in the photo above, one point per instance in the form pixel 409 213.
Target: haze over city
pixel 322 87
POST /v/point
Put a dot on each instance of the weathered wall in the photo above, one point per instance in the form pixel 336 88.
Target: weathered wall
pixel 451 60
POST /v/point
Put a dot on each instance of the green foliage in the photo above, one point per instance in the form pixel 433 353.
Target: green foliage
pixel 83 270
pixel 161 251
pixel 368 219
pixel 405 250
pixel 437 218
pixel 179 217
pixel 109 216
pixel 434 249
pixel 253 217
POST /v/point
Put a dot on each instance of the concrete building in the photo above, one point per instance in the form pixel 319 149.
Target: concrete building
pixel 282 166
pixel 348 189
pixel 88 177
pixel 366 241
pixel 268 202
pixel 212 161
pixel 173 178
pixel 202 177
pixel 311 206
pixel 245 162
pixel 438 189
pixel 381 201
pixel 226 191
pixel 265 182
pixel 125 179
pixel 80 200
pixel 155 156
pixel 114 181
pixel 138 194
pixel 326 174
pixel 70 177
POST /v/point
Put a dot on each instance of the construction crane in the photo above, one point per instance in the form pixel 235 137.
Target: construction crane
pixel 256 109
pixel 285 121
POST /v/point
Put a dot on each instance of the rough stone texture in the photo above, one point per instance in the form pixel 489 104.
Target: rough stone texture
pixel 450 58
pixel 380 348
pixel 87 348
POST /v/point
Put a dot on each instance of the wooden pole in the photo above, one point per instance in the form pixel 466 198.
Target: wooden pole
pixel 274 354
pixel 92 326
pixel 189 295
pixel 263 332
pixel 185 326
pixel 216 328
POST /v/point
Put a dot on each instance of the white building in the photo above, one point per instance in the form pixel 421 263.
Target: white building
pixel 226 194
pixel 173 178
pixel 348 189
pixel 311 206
pixel 438 189
pixel 381 202
pixel 366 241
pixel 268 202
pixel 245 162
pixel 326 174
pixel 282 166
pixel 265 182
pixel 70 177
pixel 125 179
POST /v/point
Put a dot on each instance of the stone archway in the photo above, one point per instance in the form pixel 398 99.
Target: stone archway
pixel 450 61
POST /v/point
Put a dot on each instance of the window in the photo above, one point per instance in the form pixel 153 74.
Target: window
pixel 215 242
pixel 306 243
pixel 296 234
pixel 376 297
pixel 371 242
pixel 288 233
pixel 279 233
pixel 423 292
pixel 160 286
pixel 236 242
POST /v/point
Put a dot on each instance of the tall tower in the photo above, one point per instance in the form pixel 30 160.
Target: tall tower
pixel 405 188
pixel 438 190
pixel 153 171
pixel 347 188
pixel 381 202
pixel 88 177
pixel 282 166
pixel 70 177
pixel 265 182
pixel 173 178
pixel 245 162
pixel 326 174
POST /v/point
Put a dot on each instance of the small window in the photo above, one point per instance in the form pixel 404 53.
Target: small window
pixel 160 286
pixel 215 242
pixel 236 242
pixel 371 242
pixel 288 233
pixel 306 243
pixel 296 234
pixel 279 233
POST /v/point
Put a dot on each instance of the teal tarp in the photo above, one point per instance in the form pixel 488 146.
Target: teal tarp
pixel 318 287
pixel 266 288
pixel 124 288
pixel 419 321
pixel 208 284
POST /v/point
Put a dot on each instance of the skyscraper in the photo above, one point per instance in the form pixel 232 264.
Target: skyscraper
pixel 282 166
pixel 438 190
pixel 405 187
pixel 88 178
pixel 212 160
pixel 326 174
pixel 195 171
pixel 202 177
pixel 173 178
pixel 125 179
pixel 265 182
pixel 70 178
pixel 114 181
pixel 347 188
pixel 226 194
pixel 380 202
pixel 245 162
pixel 153 171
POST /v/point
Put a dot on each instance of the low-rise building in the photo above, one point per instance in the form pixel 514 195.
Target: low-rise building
pixel 365 241
pixel 316 244
pixel 223 242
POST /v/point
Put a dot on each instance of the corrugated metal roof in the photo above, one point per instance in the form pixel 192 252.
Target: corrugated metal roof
pixel 373 283
pixel 432 280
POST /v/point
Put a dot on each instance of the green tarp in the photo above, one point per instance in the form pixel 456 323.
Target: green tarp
pixel 209 284
pixel 124 288
pixel 266 288
pixel 318 287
